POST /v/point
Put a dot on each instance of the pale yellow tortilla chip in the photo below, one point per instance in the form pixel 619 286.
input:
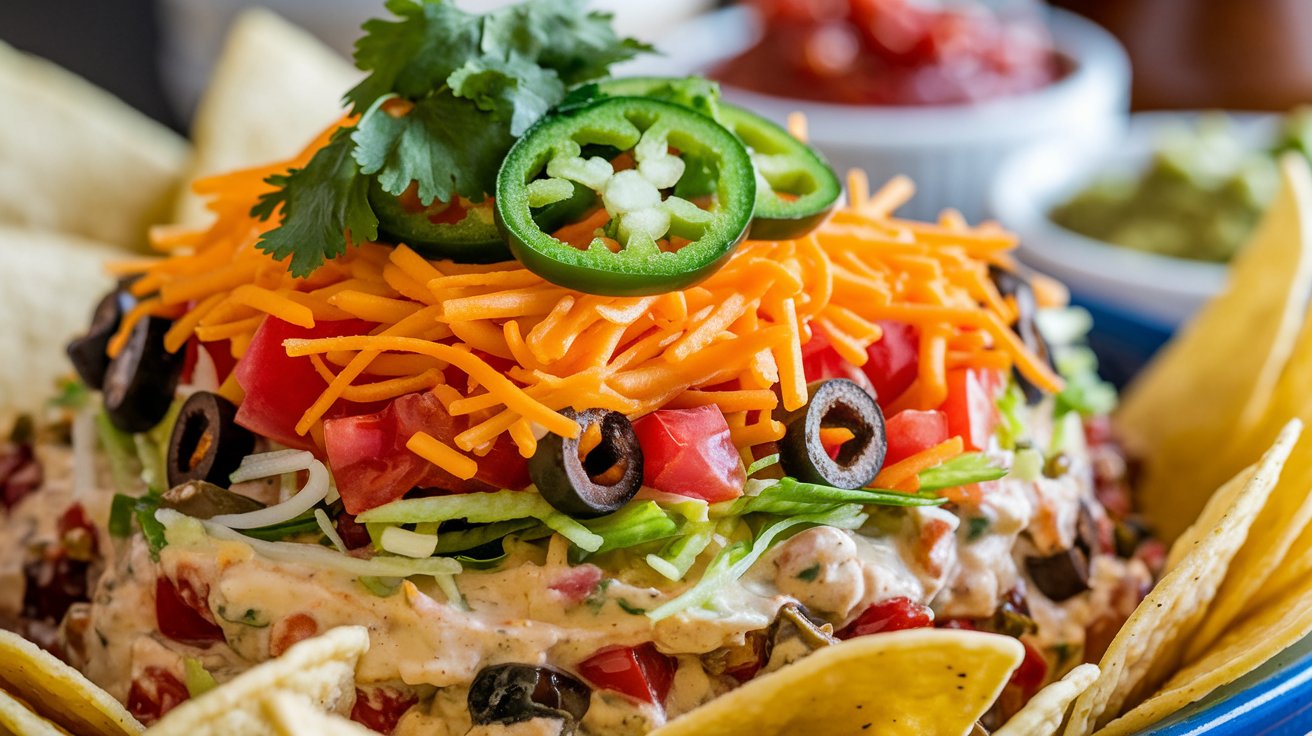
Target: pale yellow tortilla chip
pixel 59 692
pixel 1245 647
pixel 274 88
pixel 293 715
pixel 321 669
pixel 1046 711
pixel 1214 382
pixel 48 289
pixel 920 682
pixel 16 719
pixel 1148 648
pixel 76 159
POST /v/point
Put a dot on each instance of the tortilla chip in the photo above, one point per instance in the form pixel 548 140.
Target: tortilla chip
pixel 321 669
pixel 1046 711
pixel 274 88
pixel 1215 381
pixel 1149 646
pixel 48 290
pixel 59 692
pixel 923 682
pixel 1247 646
pixel 17 719
pixel 293 715
pixel 76 159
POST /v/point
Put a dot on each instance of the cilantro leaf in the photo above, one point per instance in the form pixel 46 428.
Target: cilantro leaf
pixel 413 56
pixel 515 88
pixel 560 35
pixel 444 143
pixel 323 208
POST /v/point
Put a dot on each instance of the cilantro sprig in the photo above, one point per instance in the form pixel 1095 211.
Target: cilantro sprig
pixel 446 95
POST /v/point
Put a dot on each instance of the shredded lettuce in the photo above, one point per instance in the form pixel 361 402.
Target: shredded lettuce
pixel 181 529
pixel 1011 428
pixel 484 508
pixel 736 559
pixel 962 470
pixel 197 679
pixel 790 496
pixel 635 524
pixel 467 539
pixel 762 464
pixel 1085 394
pixel 681 553
pixel 121 452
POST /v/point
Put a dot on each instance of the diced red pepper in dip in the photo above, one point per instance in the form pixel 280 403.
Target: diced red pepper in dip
pixel 894 614
pixel 640 672
pixel 689 452
pixel 972 405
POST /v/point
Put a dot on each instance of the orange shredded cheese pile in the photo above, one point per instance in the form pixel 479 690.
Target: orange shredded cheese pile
pixel 735 340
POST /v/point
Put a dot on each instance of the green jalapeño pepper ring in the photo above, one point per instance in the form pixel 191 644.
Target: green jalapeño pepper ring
pixel 796 188
pixel 625 256
pixel 440 230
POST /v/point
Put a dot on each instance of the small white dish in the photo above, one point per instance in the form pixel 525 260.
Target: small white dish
pixel 1162 290
pixel 951 152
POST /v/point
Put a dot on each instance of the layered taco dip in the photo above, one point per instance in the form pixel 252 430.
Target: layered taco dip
pixel 592 399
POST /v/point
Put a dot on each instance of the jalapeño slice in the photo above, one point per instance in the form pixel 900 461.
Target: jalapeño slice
pixel 440 230
pixel 796 188
pixel 646 239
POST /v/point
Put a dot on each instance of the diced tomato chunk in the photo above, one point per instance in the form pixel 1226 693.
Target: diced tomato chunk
pixel 577 583
pixel 155 692
pixel 911 432
pixel 177 614
pixel 972 405
pixel 893 614
pixel 821 361
pixel 893 361
pixel 1032 672
pixel 689 452
pixel 372 465
pixel 381 708
pixel 640 672
pixel 280 388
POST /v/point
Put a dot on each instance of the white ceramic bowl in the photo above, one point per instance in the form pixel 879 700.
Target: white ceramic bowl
pixel 951 152
pixel 1161 290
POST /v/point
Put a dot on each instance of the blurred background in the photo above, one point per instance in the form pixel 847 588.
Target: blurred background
pixel 1132 144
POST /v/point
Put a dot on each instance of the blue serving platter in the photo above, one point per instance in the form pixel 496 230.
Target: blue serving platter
pixel 1276 698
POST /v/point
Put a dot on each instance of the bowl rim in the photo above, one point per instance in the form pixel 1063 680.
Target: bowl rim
pixel 1100 71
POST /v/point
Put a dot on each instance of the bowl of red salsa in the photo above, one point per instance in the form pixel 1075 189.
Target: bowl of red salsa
pixel 942 92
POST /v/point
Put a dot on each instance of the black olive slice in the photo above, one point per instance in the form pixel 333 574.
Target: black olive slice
pixel 141 381
pixel 88 353
pixel 595 485
pixel 207 444
pixel 836 402
pixel 201 500
pixel 513 693
pixel 1015 285
pixel 1065 574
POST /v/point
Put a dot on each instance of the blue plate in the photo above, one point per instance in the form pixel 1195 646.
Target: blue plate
pixel 1276 698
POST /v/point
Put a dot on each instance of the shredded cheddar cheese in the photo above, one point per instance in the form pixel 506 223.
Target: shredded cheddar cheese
pixel 507 351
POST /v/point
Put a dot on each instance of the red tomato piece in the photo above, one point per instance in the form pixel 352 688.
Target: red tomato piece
pixel 280 388
pixel 893 361
pixel 177 616
pixel 577 583
pixel 155 692
pixel 893 614
pixel 372 466
pixel 910 432
pixel 381 708
pixel 1032 672
pixel 689 452
pixel 972 405
pixel 821 361
pixel 640 672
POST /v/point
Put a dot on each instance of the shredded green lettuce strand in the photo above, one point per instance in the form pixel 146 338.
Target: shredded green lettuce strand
pixel 790 496
pixel 962 470
pixel 484 508
pixel 635 524
pixel 735 560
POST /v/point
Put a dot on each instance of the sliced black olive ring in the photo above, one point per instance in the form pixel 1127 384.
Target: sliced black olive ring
pixel 88 353
pixel 834 403
pixel 513 693
pixel 1065 574
pixel 207 444
pixel 595 482
pixel 140 382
